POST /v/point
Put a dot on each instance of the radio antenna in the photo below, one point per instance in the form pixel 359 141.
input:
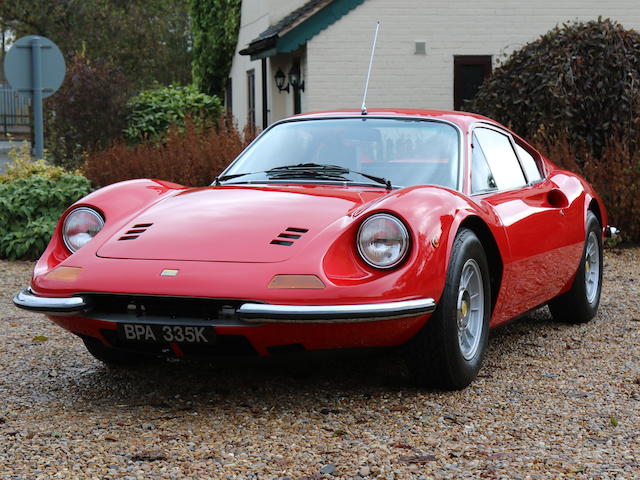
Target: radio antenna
pixel 366 85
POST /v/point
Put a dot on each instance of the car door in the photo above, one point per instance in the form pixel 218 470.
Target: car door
pixel 533 210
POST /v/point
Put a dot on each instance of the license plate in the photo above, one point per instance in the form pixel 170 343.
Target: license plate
pixel 150 333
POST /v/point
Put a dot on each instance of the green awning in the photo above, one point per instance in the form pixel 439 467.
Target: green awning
pixel 299 27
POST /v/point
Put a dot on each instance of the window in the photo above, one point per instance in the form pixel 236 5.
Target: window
pixel 481 177
pixel 251 97
pixel 500 157
pixel 469 71
pixel 529 164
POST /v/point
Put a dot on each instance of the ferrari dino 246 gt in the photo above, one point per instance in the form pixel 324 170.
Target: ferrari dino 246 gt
pixel 332 230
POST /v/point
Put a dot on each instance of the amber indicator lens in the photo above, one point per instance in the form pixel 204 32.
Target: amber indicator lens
pixel 296 281
pixel 66 274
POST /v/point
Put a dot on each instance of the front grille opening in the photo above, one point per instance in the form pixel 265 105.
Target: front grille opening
pixel 129 237
pixel 289 235
pixel 139 306
pixel 297 230
pixel 142 225
pixel 136 231
pixel 284 243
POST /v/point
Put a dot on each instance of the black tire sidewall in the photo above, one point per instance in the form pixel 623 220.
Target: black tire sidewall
pixel 460 370
pixel 579 287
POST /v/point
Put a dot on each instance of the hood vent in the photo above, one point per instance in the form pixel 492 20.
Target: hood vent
pixel 135 231
pixel 286 238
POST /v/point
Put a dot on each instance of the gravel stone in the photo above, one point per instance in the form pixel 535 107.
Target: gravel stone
pixel 552 401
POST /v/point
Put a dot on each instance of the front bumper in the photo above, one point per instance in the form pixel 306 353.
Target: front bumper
pixel 255 312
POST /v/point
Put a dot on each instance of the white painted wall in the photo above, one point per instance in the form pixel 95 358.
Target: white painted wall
pixel 336 59
pixel 256 17
pixel 338 56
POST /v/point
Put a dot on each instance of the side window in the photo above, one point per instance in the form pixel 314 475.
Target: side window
pixel 529 164
pixel 501 158
pixel 481 177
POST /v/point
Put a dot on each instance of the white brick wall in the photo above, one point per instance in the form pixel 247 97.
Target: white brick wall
pixel 337 58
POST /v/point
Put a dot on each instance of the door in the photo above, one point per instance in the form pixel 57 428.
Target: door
pixel 535 214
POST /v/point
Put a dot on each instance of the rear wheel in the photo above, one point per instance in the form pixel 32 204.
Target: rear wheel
pixel 112 356
pixel 580 303
pixel 448 351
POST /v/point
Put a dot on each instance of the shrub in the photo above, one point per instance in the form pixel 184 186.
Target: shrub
pixel 190 156
pixel 580 80
pixel 615 174
pixel 152 112
pixel 88 111
pixel 33 195
pixel 29 210
pixel 22 165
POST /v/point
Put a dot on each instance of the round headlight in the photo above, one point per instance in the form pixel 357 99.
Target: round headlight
pixel 383 241
pixel 80 226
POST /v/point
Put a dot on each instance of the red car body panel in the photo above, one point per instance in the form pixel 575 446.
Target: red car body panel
pixel 218 239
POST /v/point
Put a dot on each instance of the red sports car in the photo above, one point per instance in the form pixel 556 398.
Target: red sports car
pixel 332 230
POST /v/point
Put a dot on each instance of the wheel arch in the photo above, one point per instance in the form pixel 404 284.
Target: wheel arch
pixel 494 259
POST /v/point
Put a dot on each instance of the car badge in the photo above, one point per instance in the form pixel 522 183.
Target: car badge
pixel 169 272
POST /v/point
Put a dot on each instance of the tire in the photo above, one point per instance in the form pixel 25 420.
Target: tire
pixel 448 351
pixel 112 356
pixel 580 303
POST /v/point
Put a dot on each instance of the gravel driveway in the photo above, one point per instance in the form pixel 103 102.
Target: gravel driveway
pixel 553 401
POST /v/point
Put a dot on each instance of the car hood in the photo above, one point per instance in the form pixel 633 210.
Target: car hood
pixel 235 224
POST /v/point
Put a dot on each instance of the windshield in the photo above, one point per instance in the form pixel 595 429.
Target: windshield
pixel 403 151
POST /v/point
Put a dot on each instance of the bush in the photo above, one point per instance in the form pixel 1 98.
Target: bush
pixel 580 80
pixel 29 210
pixel 33 195
pixel 88 111
pixel 152 112
pixel 22 165
pixel 190 156
pixel 615 174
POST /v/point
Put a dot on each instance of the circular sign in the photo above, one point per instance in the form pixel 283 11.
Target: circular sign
pixel 19 65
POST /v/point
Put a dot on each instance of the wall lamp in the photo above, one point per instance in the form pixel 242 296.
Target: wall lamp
pixel 280 78
pixel 294 79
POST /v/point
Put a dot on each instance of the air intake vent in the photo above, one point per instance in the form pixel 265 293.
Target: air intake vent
pixel 135 231
pixel 290 234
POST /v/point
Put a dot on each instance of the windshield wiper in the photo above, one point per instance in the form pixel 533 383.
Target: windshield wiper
pixel 324 170
pixel 308 170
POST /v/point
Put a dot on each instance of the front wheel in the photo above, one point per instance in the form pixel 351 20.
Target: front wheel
pixel 448 351
pixel 580 303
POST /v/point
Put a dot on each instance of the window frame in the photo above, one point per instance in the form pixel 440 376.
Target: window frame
pixel 513 141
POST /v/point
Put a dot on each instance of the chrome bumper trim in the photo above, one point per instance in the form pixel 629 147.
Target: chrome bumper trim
pixel 267 313
pixel 611 232
pixel 50 305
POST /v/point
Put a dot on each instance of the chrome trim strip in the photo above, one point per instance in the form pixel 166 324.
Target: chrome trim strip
pixel 260 312
pixel 49 305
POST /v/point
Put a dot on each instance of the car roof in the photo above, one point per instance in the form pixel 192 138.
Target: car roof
pixel 459 118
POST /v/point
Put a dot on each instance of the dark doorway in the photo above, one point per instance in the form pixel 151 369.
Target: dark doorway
pixel 469 71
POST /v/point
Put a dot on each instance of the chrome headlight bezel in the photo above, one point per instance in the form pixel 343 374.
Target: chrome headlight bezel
pixel 405 238
pixel 92 232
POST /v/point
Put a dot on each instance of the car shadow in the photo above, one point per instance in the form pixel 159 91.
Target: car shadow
pixel 319 380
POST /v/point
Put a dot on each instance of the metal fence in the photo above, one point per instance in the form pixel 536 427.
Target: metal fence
pixel 15 113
